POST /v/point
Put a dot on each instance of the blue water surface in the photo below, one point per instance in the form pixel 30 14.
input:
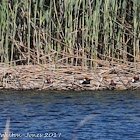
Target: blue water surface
pixel 84 115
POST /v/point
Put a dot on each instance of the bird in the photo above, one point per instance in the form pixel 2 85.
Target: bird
pixel 86 80
pixel 112 83
pixel 47 81
pixel 136 78
pixel 7 74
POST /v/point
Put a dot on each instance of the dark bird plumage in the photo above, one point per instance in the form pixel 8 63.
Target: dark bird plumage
pixel 47 81
pixel 135 78
pixel 86 81
pixel 112 83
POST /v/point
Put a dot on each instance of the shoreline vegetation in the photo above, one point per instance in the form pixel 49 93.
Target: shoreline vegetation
pixel 65 41
pixel 66 77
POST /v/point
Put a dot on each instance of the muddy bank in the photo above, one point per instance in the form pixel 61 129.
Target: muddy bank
pixel 63 77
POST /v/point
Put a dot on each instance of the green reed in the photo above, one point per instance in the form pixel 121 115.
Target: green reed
pixel 70 32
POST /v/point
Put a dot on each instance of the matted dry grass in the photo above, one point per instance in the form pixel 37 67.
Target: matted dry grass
pixel 66 77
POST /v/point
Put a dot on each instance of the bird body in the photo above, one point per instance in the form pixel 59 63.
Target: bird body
pixel 81 81
pixel 136 78
pixel 8 74
pixel 47 81
pixel 112 83
pixel 84 81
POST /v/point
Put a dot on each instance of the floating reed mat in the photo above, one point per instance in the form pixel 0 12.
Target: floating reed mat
pixel 66 77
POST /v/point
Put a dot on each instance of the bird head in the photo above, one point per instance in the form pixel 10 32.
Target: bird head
pixel 87 79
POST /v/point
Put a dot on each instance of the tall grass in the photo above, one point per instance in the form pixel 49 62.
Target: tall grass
pixel 70 32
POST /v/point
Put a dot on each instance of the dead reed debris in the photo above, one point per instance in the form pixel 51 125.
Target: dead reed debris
pixel 64 77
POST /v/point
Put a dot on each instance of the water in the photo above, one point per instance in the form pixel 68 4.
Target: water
pixel 90 115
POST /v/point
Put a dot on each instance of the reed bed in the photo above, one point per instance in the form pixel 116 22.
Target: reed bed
pixel 33 77
pixel 84 36
pixel 69 32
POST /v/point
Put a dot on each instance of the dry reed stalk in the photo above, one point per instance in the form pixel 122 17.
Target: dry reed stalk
pixel 69 26
pixel 89 34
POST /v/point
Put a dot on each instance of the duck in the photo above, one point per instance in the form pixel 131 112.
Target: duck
pixel 86 80
pixel 112 83
pixel 47 81
pixel 136 78
pixel 7 74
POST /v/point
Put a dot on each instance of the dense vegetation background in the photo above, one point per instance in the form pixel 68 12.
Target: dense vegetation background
pixel 76 32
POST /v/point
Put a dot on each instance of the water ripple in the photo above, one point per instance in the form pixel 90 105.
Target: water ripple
pixel 75 115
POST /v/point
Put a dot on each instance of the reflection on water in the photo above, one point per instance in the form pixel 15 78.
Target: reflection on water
pixel 86 115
